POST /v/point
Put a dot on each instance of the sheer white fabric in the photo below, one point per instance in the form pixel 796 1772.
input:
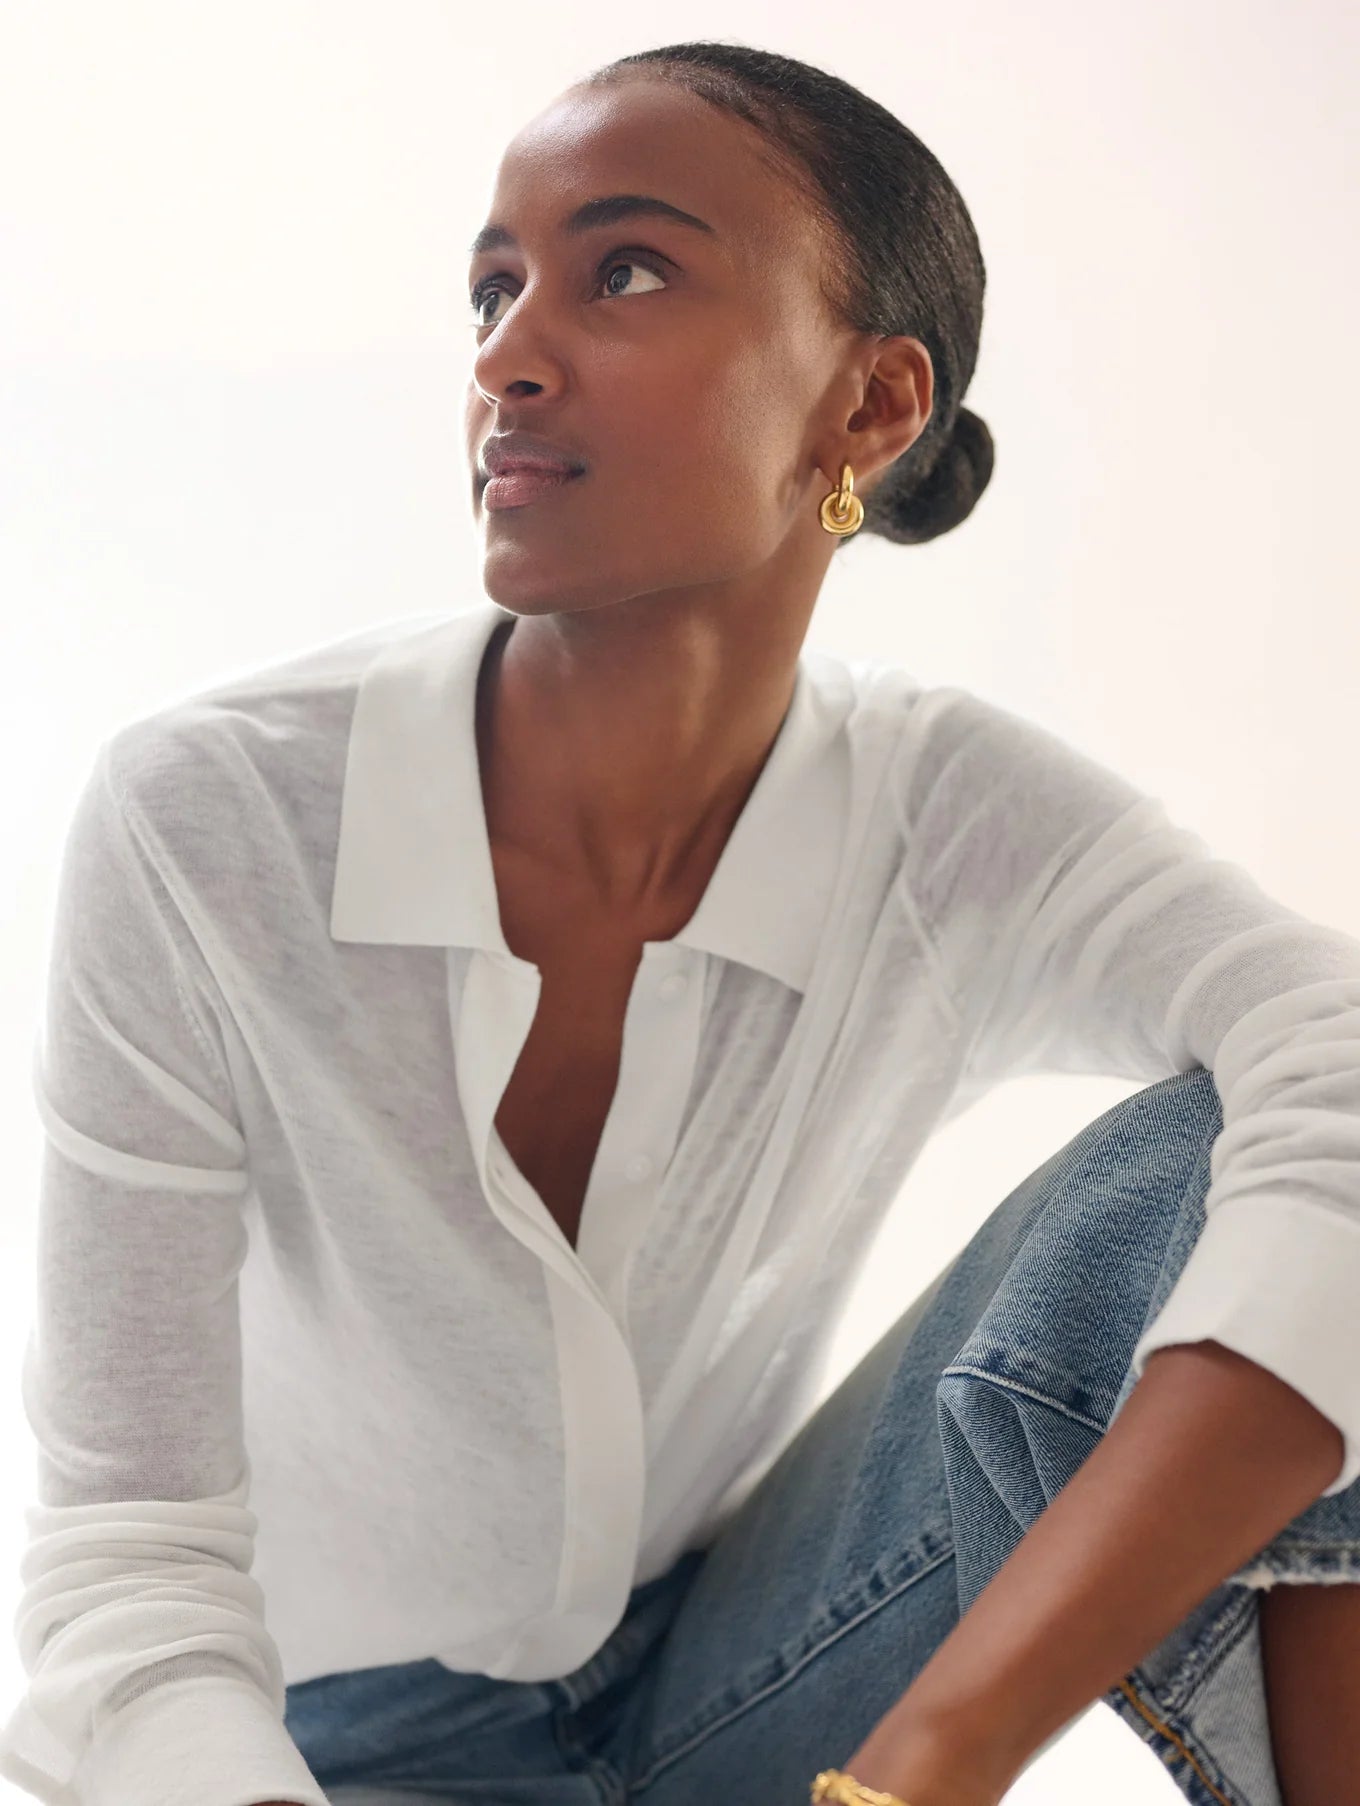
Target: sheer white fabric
pixel 304 1340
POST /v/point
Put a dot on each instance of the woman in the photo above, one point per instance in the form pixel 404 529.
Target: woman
pixel 479 1054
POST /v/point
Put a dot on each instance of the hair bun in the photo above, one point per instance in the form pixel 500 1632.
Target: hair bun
pixel 909 508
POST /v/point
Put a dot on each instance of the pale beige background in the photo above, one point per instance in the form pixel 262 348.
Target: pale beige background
pixel 233 355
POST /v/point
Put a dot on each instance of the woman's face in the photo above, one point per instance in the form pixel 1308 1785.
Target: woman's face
pixel 695 369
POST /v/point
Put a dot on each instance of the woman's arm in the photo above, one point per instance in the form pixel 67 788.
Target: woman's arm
pixel 1210 1457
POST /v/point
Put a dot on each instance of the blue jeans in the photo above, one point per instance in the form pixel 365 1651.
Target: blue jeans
pixel 770 1655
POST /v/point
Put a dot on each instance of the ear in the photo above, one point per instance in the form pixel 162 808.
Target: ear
pixel 898 397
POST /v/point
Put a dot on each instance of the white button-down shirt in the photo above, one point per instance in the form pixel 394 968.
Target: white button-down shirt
pixel 284 1255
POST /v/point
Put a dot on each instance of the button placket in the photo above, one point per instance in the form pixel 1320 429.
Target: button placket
pixel 660 1050
pixel 604 1450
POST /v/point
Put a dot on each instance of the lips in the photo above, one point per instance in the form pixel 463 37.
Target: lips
pixel 516 449
pixel 506 467
pixel 522 484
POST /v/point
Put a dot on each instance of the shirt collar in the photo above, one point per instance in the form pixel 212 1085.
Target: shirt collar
pixel 413 861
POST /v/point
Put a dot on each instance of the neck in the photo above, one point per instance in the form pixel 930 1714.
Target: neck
pixel 618 745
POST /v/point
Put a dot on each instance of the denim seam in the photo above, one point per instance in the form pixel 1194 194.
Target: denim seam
pixel 1334 1559
pixel 1043 1398
pixel 1178 1736
pixel 1206 1656
pixel 697 1730
pixel 586 1679
pixel 579 1760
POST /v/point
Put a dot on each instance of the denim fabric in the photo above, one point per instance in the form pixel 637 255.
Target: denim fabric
pixel 751 1665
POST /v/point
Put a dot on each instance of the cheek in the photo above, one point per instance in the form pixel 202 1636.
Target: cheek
pixel 755 441
pixel 711 427
pixel 754 409
pixel 736 413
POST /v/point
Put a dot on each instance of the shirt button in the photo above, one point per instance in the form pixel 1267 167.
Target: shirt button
pixel 638 1167
pixel 672 986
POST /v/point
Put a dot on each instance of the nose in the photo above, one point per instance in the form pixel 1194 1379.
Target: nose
pixel 517 356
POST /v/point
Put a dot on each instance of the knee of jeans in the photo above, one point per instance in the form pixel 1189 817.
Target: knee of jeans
pixel 1092 1244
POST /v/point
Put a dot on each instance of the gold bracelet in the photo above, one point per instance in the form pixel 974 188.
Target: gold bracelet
pixel 834 1784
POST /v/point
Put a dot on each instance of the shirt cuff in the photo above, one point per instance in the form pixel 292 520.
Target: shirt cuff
pixel 204 1741
pixel 1277 1280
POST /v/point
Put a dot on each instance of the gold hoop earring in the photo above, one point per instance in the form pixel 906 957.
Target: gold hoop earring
pixel 842 511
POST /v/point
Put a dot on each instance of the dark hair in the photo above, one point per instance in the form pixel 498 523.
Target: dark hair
pixel 904 254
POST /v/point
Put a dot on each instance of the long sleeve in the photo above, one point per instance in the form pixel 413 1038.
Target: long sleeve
pixel 151 1675
pixel 1082 931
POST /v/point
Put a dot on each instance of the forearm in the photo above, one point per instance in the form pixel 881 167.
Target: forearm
pixel 1209 1458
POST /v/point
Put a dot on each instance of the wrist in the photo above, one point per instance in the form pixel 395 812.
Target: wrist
pixel 928 1765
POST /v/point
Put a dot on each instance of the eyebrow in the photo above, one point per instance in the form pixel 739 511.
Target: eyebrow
pixel 603 211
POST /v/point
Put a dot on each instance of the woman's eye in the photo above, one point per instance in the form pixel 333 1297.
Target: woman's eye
pixel 491 285
pixel 627 263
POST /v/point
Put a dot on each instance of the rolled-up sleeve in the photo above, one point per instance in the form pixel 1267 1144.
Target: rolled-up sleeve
pixel 150 1673
pixel 1083 931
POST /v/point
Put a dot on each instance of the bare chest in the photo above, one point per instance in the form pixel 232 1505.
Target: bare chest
pixel 553 1111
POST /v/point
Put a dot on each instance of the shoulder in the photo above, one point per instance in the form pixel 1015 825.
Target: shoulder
pixel 972 780
pixel 258 752
pixel 922 728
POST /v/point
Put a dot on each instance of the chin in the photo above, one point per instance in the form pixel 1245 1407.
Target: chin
pixel 517 582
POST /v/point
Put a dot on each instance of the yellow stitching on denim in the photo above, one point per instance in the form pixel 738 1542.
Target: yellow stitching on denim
pixel 1166 1731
